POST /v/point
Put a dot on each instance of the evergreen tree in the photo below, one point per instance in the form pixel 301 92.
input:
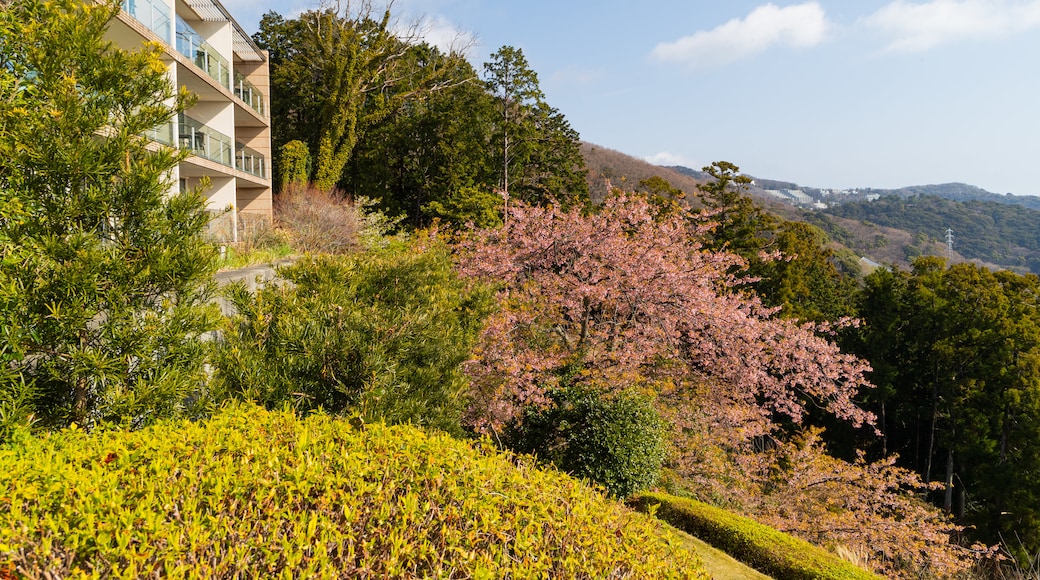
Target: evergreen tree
pixel 743 228
pixel 103 273
pixel 956 357
pixel 428 151
pixel 336 73
pixel 539 157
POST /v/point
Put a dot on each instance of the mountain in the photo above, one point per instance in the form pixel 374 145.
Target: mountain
pixel 624 171
pixel 985 231
pixel 959 192
pixel 889 226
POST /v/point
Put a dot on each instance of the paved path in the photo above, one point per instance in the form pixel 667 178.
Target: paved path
pixel 252 276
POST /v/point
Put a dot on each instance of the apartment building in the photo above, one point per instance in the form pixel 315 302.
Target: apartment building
pixel 228 130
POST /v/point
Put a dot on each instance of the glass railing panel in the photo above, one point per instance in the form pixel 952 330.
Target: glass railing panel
pixel 249 161
pixel 204 142
pixel 249 94
pixel 193 46
pixel 154 14
pixel 161 134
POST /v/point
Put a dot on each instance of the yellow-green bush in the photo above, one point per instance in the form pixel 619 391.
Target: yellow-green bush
pixel 253 493
pixel 761 547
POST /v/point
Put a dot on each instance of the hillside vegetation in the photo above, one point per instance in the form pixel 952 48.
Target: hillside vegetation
pixel 986 231
pixel 671 333
pixel 621 170
pixel 259 494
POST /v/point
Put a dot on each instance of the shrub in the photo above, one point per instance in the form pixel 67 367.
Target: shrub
pixel 469 205
pixel 383 333
pixel 761 547
pixel 614 440
pixel 318 221
pixel 258 494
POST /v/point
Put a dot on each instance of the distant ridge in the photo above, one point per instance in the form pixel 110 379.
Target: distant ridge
pixel 888 226
pixel 955 191
pixel 625 171
pixel 963 192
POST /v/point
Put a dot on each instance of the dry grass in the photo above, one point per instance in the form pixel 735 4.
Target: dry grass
pixel 318 221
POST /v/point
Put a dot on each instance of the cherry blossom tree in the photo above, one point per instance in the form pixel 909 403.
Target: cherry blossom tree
pixel 630 297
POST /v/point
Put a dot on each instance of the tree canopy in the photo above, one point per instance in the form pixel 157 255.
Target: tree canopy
pixel 336 72
pixel 956 352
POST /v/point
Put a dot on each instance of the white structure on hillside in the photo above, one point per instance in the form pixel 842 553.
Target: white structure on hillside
pixel 228 130
pixel 795 196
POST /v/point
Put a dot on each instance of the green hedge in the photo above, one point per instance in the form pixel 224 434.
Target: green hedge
pixel 761 547
pixel 613 439
pixel 254 493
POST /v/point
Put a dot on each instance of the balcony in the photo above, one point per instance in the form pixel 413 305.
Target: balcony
pixel 154 14
pixel 161 134
pixel 249 94
pixel 250 161
pixel 191 45
pixel 204 142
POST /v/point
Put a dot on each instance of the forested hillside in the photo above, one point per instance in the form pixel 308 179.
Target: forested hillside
pixel 956 192
pixel 985 231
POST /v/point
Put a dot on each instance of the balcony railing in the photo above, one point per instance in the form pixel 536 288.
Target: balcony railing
pixel 249 93
pixel 191 45
pixel 204 142
pixel 162 134
pixel 152 13
pixel 250 161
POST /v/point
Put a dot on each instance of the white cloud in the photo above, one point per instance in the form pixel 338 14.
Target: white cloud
pixel 442 33
pixel 668 159
pixel 435 30
pixel 919 27
pixel 802 25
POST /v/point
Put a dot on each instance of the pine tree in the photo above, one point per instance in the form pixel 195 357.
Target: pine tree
pixel 103 272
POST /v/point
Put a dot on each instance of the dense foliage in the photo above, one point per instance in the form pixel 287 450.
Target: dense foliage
pixel 630 296
pixel 956 354
pixel 615 440
pixel 611 322
pixel 992 232
pixel 257 494
pixel 338 71
pixel 789 264
pixel 104 272
pixel 382 334
pixel 873 508
pixel 386 116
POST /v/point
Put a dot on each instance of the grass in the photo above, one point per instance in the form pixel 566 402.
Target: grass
pixel 242 257
pixel 718 563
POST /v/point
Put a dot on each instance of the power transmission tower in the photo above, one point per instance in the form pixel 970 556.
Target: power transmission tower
pixel 949 246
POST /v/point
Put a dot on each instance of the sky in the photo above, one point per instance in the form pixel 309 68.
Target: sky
pixel 828 93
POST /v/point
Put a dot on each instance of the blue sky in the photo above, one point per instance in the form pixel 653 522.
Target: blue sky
pixel 861 93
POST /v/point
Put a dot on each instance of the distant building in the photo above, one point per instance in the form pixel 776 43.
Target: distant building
pixel 795 196
pixel 867 266
pixel 228 130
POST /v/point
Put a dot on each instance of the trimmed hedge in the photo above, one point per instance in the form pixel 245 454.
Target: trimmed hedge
pixel 253 493
pixel 767 550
